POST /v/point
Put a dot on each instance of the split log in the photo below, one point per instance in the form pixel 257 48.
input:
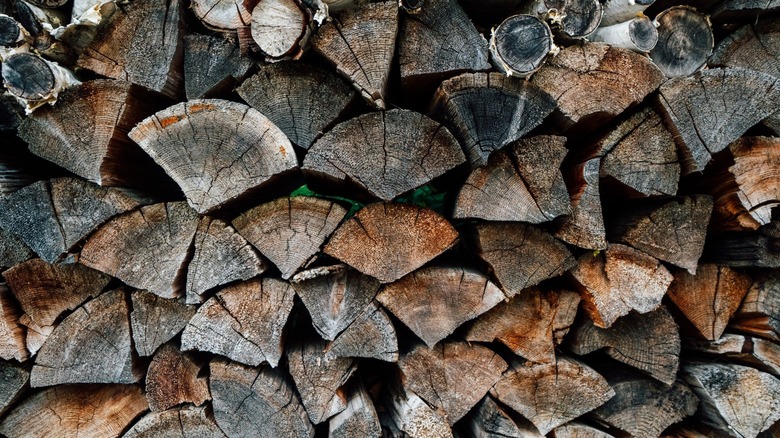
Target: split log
pixel 243 322
pixel 648 342
pixel 619 11
pixel 388 241
pixel 735 398
pixel 672 231
pixel 220 256
pixel 13 250
pixel 290 231
pixel 705 125
pixel 530 324
pixel 622 77
pixel 759 248
pixel 224 15
pixel 211 65
pixel 487 111
pixel 644 408
pixel 156 320
pixel 141 43
pixel 146 248
pixel 183 422
pixel 335 301
pixel 452 376
pixel 91 345
pixel 585 226
pixel 415 418
pixel 520 255
pixel 12 343
pixel 521 183
pixel 35 80
pixel 410 148
pixel 753 46
pixel 36 334
pixel 13 381
pixel 319 379
pixel 371 335
pixel 359 419
pixel 361 44
pixel 710 298
pixel 251 402
pixel 216 150
pixel 520 45
pixel 685 41
pixel 76 411
pixel 758 353
pixel 434 301
pixel 172 379
pixel 281 28
pixel 619 280
pixel 492 420
pixel 736 9
pixel 316 98
pixel 576 429
pixel 550 395
pixel 638 34
pixel 759 313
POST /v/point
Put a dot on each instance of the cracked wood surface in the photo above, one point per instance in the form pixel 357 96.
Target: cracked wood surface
pixel 211 64
pixel 13 382
pixel 281 28
pixel 12 336
pixel 224 15
pixel 685 41
pixel 411 415
pixel 172 379
pixel 359 419
pixel 759 313
pixel 584 227
pixel 184 422
pixel 156 320
pixel 492 420
pixel 371 335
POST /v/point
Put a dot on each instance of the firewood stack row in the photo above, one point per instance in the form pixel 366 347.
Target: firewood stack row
pixel 425 218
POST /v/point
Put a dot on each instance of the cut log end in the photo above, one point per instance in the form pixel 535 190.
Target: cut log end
pixel 521 44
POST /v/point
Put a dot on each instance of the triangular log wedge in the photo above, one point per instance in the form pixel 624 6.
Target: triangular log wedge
pixel 216 150
pixel 146 248
pixel 13 381
pixel 359 419
pixel 759 313
pixel 184 422
pixel 753 46
pixel 156 320
pixel 172 379
pixel 387 153
pixel 585 226
pixel 13 250
pixel 411 415
pixel 371 335
pixel 493 420
pixel 211 64
pixel 12 339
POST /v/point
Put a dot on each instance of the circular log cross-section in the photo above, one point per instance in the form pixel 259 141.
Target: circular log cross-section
pixel 581 18
pixel 280 27
pixel 10 31
pixel 685 41
pixel 638 34
pixel 28 76
pixel 520 45
pixel 223 14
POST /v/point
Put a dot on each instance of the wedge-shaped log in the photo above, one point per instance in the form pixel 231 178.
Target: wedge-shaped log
pixel 181 422
pixel 759 313
pixel 585 226
pixel 358 419
pixel 155 321
pixel 371 335
pixel 388 241
pixel 223 15
pixel 215 150
pixel 685 41
pixel 211 65
pixel 12 340
pixel 146 248
pixel 172 379
pixel 13 381
pixel 493 420
pixel 753 46
pixel 411 415
pixel 13 250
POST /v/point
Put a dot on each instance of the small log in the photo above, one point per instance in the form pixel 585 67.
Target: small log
pixel 434 301
pixel 735 398
pixel 371 335
pixel 183 422
pixel 146 248
pixel 528 323
pixel 316 98
pixel 759 313
pixel 585 226
pixel 578 18
pixel 388 241
pixel 685 41
pixel 319 379
pixel 12 33
pixel 753 46
pixel 141 43
pixel 520 45
pixel 413 417
pixel 648 342
pixel 12 344
pixel 13 382
pixel 522 183
pixel 619 11
pixel 172 379
pixel 759 248
pixel 211 65
pixel 221 256
pixel 335 301
pixel 361 44
pixel 638 34
pixel 410 148
pixel 644 408
pixel 622 77
pixel 710 298
pixel 35 80
pixel 252 402
pixel 520 255
pixel 576 429
pixel 672 231
pixel 243 322
pixel 224 15
pixel 281 28
pixel 76 411
pixel 550 395
pixel 290 231
pixel 156 320
pixel 359 419
pixel 493 420
pixel 474 104
pixel 216 150
pixel 452 376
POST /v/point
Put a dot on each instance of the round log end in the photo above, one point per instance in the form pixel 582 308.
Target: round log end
pixel 28 76
pixel 520 44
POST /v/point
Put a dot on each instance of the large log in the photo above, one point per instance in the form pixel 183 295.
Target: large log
pixel 172 379
pixel 155 320
pixel 371 335
pixel 281 28
pixel 184 422
pixel 509 48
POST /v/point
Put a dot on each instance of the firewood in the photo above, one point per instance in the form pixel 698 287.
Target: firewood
pixel 256 402
pixel 335 301
pixel 182 422
pixel 734 9
pixel 759 248
pixel 434 301
pixel 156 320
pixel 528 323
pixel 12 344
pixel 492 420
pixel 576 429
pixel 12 33
pixel 579 18
pixel 752 46
pixel 685 41
pixel 281 28
pixel 13 381
pixel 415 418
pixel 619 280
pixel 759 313
pixel 141 43
pixel 319 379
pixel 371 335
pixel 223 15
pixel 751 94
pixel 172 379
pixel 520 45
pixel 619 11
pixel 76 411
pixel 361 44
pixel 410 148
pixel 11 112
pixel 211 65
pixel 735 398
pixel 585 226
pixel 522 183
pixel 648 342
pixel 388 241
pixel 243 322
pixel 359 419
pixel 638 34
pixel 145 248
pixel 36 334
pixel 520 255
pixel 35 80
pixel 758 353
pixel 672 231
pixel 473 105
pixel 316 98
pixel 221 255
pixel 644 408
pixel 552 394
pixel 452 376
pixel 290 231
pixel 13 250
pixel 216 150
pixel 709 298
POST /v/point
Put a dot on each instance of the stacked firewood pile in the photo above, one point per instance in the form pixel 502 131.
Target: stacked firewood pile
pixel 425 218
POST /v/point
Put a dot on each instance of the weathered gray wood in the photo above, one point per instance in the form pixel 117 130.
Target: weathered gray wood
pixel 753 249
pixel 759 313
pixel 758 353
pixel 172 379
pixel 520 45
pixel 184 422
pixel 575 429
pixel 13 381
pixel 281 28
pixel 685 41
pixel 585 226
pixel 211 64
pixel 359 419
pixel 579 18
pixel 371 335
pixel 13 250
pixel 223 15
pixel 753 46
pixel 156 320
pixel 735 9
pixel 638 34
